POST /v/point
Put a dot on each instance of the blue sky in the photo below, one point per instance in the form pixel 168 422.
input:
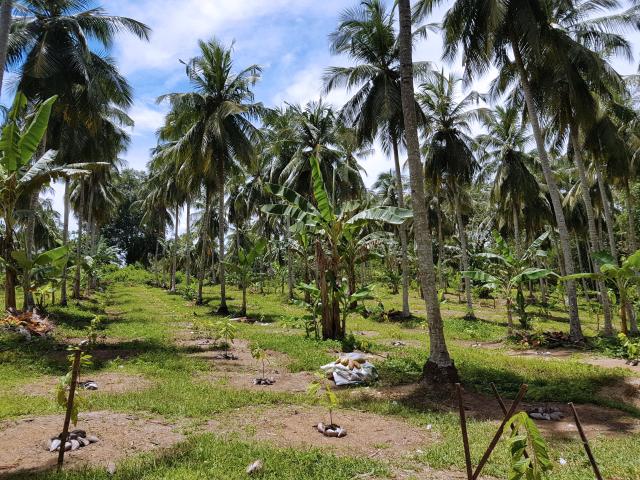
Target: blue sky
pixel 288 38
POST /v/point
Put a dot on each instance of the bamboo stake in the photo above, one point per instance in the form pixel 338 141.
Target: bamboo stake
pixel 496 437
pixel 503 407
pixel 585 443
pixel 67 418
pixel 465 437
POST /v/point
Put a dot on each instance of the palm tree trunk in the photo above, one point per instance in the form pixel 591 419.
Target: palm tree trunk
pixel 289 260
pixel 65 240
pixel 29 247
pixel 631 211
pixel 441 281
pixel 81 209
pixel 204 229
pixel 464 254
pixel 187 260
pixel 90 233
pixel 174 253
pixel 516 228
pixel 575 328
pixel 222 309
pixel 608 215
pixel 5 25
pixel 95 235
pixel 10 273
pixel 593 233
pixel 406 312
pixel 439 368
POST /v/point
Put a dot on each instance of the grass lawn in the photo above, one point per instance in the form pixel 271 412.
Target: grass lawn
pixel 143 327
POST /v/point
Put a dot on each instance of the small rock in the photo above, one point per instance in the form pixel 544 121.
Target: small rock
pixel 111 468
pixel 255 467
pixel 562 461
pixel 54 444
pixel 75 444
pixel 556 416
pixel 429 427
pixel 79 433
pixel 67 446
pixel 72 436
pixel 92 439
pixel 84 442
pixel 536 416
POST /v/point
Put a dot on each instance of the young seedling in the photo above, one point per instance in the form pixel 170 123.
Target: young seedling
pixel 526 436
pixel 259 354
pixel 321 386
pixel 226 331
pixel 631 349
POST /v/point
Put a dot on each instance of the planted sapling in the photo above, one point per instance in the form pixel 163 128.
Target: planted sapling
pixel 260 355
pixel 321 386
pixel 225 330
pixel 525 437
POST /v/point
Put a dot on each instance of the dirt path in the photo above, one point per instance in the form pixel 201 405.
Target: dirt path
pixel 22 441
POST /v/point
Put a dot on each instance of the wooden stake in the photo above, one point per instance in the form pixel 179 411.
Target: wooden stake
pixel 585 443
pixel 67 418
pixel 465 437
pixel 496 437
pixel 503 407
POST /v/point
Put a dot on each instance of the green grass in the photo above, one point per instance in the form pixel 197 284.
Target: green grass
pixel 144 320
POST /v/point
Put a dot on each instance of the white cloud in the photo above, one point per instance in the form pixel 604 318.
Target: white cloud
pixel 147 118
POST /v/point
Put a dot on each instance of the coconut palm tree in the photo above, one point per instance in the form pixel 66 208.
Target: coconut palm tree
pixel 53 42
pixel 504 163
pixel 450 163
pixel 210 127
pixel 367 34
pixel 494 32
pixel 439 367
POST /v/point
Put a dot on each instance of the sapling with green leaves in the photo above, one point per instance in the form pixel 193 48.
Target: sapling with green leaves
pixel 631 349
pixel 509 271
pixel 226 330
pixel 244 265
pixel 64 384
pixel 260 355
pixel 321 387
pixel 525 436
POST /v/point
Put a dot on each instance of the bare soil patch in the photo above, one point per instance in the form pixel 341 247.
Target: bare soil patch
pixel 370 435
pixel 542 353
pixel 243 360
pixel 108 382
pixel 284 381
pixel 22 441
pixel 497 345
pixel 607 362
pixel 627 391
pixel 595 419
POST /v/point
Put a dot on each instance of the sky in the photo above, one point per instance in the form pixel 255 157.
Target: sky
pixel 287 38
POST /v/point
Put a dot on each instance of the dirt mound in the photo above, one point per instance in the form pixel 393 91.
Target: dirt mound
pixel 368 434
pixel 284 382
pixel 107 383
pixel 22 442
pixel 627 391
pixel 240 358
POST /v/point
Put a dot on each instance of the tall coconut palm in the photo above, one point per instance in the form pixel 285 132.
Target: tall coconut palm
pixel 53 44
pixel 450 161
pixel 439 367
pixel 367 34
pixel 211 126
pixel 492 33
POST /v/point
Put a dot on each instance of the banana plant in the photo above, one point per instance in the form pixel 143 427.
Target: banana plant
pixel 625 278
pixel 509 271
pixel 244 264
pixel 44 270
pixel 330 227
pixel 23 173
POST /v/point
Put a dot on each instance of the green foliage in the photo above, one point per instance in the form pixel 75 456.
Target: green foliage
pixel 129 275
pixel 525 436
pixel 630 347
pixel 259 354
pixel 226 331
pixel 64 384
pixel 321 387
